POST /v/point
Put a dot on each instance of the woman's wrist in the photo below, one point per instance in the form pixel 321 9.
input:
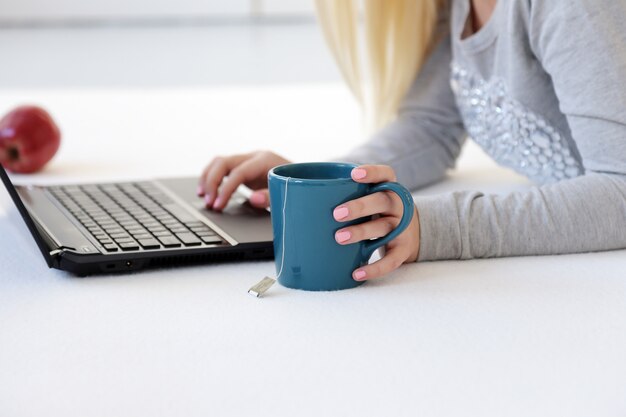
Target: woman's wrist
pixel 416 250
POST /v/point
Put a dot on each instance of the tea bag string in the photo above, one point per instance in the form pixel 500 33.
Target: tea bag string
pixel 262 286
pixel 282 255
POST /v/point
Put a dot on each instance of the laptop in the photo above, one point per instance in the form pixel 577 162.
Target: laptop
pixel 119 227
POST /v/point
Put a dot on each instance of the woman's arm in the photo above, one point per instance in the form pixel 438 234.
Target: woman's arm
pixel 582 45
pixel 426 138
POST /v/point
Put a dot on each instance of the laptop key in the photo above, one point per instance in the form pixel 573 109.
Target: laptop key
pixel 189 239
pixel 141 235
pixel 110 247
pixel 206 233
pixel 124 240
pixel 200 229
pixel 149 243
pixel 169 241
pixel 211 239
pixel 164 233
pixel 129 223
pixel 194 224
pixel 165 217
pixel 129 246
pixel 119 235
pixel 100 217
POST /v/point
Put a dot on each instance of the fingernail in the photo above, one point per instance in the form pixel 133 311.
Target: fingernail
pixel 257 198
pixel 358 173
pixel 218 202
pixel 359 275
pixel 340 212
pixel 207 200
pixel 342 236
pixel 200 191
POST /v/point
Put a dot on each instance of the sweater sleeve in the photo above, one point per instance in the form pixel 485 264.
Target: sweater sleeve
pixel 582 46
pixel 426 138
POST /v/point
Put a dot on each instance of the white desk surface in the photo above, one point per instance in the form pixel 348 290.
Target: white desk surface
pixel 535 336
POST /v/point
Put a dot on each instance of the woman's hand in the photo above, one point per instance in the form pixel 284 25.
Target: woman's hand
pixel 388 206
pixel 250 169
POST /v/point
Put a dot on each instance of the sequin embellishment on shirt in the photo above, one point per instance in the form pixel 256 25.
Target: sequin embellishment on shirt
pixel 511 134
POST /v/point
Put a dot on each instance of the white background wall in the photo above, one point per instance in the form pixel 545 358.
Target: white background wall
pixel 160 43
pixel 15 11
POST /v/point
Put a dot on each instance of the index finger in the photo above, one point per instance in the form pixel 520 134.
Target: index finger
pixel 373 174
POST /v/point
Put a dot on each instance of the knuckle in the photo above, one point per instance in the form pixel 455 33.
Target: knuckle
pixel 229 187
pixel 389 223
pixel 386 173
pixel 357 233
pixel 396 263
pixel 266 155
pixel 218 160
pixel 356 207
pixel 212 180
pixel 374 271
pixel 389 198
pixel 237 174
pixel 391 174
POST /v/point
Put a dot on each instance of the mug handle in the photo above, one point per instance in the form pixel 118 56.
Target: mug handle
pixel 407 201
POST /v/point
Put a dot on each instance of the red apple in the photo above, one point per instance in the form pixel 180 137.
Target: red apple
pixel 29 138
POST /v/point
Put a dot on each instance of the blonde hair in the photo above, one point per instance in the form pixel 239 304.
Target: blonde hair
pixel 398 35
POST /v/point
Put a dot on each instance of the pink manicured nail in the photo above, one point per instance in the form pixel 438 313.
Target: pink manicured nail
pixel 218 202
pixel 208 200
pixel 342 236
pixel 358 173
pixel 359 275
pixel 257 198
pixel 340 213
pixel 200 191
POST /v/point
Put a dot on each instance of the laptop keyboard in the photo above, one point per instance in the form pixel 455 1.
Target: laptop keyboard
pixel 133 216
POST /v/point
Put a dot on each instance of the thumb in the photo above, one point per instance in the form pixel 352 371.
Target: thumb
pixel 260 198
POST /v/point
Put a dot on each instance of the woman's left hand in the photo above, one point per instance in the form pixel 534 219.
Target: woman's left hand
pixel 388 206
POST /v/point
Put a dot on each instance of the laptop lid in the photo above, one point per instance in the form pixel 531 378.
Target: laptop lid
pixel 30 223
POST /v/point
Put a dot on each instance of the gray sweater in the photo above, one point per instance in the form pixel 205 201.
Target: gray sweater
pixel 542 89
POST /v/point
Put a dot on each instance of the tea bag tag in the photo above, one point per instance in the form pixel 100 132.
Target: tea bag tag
pixel 261 287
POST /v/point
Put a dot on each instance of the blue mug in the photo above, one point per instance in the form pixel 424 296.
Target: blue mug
pixel 302 199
